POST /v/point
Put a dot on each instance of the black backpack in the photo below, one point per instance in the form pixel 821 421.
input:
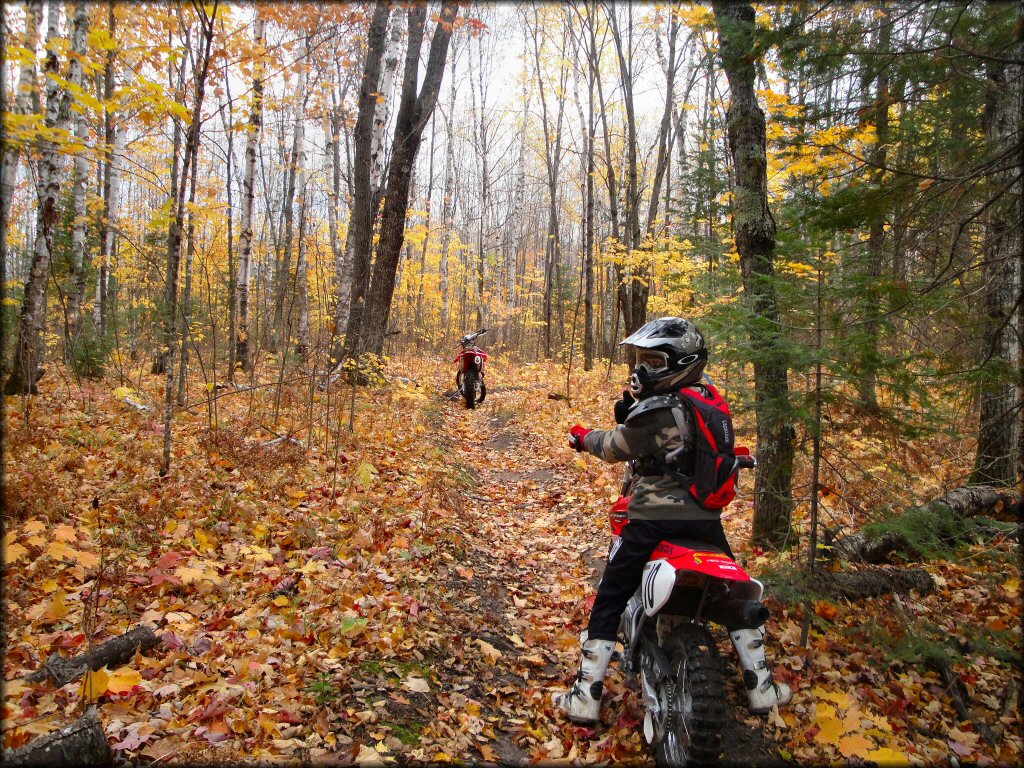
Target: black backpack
pixel 712 465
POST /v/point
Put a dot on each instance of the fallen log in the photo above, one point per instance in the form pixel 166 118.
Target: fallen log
pixel 856 585
pixel 81 743
pixel 113 653
pixel 957 505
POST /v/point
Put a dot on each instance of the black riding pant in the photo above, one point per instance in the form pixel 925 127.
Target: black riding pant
pixel 624 571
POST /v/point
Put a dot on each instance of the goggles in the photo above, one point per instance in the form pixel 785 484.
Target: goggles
pixel 650 359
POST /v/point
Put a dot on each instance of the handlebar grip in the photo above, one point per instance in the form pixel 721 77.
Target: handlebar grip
pixel 746 462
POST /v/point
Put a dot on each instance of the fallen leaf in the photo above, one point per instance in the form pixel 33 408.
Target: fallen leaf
pixel 854 745
pixel 416 684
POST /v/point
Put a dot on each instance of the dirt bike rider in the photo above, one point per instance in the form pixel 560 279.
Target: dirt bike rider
pixel 670 353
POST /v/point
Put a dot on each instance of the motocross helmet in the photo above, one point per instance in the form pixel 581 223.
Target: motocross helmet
pixel 668 353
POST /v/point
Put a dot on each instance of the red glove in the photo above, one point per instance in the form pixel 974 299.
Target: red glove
pixel 576 435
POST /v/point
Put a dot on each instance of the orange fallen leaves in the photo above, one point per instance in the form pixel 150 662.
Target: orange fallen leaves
pixel 433 595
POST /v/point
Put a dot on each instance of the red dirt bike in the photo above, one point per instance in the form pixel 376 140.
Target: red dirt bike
pixel 667 641
pixel 469 369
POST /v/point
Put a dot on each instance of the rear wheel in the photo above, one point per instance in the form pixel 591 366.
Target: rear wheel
pixel 689 729
pixel 469 384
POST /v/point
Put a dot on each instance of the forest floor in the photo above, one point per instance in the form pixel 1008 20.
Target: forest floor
pixel 412 590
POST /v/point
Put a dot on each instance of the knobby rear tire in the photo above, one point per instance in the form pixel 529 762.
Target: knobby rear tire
pixel 693 732
pixel 469 383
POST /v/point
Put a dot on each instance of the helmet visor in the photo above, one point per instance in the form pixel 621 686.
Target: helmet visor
pixel 653 360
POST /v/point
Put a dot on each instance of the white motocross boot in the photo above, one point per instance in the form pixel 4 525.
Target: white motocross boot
pixel 582 702
pixel 762 691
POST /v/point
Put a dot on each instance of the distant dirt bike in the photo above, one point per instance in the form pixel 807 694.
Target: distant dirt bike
pixel 666 639
pixel 469 369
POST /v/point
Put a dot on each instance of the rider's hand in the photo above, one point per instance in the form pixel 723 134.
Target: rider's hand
pixel 576 435
pixel 622 406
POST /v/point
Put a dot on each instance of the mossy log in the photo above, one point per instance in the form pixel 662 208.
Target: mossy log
pixel 857 585
pixel 81 743
pixel 957 505
pixel 113 653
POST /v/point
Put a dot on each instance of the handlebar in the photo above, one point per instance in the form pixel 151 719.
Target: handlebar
pixel 471 337
pixel 746 462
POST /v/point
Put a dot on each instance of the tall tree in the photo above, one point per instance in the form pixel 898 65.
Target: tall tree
pixel 997 459
pixel 29 350
pixel 243 352
pixel 413 113
pixel 207 22
pixel 754 230
pixel 26 102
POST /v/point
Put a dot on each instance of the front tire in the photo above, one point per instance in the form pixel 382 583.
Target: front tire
pixel 693 701
pixel 469 383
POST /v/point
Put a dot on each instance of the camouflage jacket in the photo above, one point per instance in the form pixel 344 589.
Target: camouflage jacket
pixel 651 434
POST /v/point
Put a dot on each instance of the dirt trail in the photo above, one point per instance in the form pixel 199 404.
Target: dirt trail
pixel 521 556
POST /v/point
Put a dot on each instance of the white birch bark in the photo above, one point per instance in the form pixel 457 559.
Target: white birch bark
pixel 301 297
pixel 23 105
pixel 32 323
pixel 242 352
pixel 392 56
pixel 80 261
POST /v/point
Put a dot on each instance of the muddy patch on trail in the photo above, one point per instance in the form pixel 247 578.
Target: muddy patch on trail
pixel 501 442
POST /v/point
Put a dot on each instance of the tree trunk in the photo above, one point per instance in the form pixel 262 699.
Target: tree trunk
pixel 186 295
pixel 116 138
pixel 82 743
pixel 413 113
pixel 870 359
pixel 174 231
pixel 282 326
pixel 80 260
pixel 448 205
pixel 362 215
pixel 588 245
pixel 25 102
pixel 754 230
pixel 243 352
pixel 227 115
pixel 635 289
pixel 28 354
pixel 997 459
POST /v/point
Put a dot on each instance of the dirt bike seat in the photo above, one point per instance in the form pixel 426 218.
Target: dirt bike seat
pixel 699 546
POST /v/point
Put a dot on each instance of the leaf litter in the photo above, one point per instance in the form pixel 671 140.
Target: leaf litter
pixel 410 595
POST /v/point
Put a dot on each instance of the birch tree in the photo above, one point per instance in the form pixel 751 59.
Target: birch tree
pixel 243 351
pixel 413 113
pixel 29 349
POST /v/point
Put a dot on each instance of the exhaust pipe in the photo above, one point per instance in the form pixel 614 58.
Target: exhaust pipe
pixel 738 614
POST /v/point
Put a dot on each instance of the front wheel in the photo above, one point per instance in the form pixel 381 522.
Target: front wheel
pixel 689 729
pixel 469 384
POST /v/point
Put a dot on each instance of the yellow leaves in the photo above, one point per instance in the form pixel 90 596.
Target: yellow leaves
pixel 14 552
pixel 855 745
pixel 190 574
pixel 830 730
pixel 887 757
pixel 257 553
pixel 799 269
pixel 56 608
pixel 364 474
pixel 102 681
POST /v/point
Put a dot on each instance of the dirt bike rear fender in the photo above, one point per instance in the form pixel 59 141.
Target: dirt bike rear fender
pixel 715 564
pixel 670 560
